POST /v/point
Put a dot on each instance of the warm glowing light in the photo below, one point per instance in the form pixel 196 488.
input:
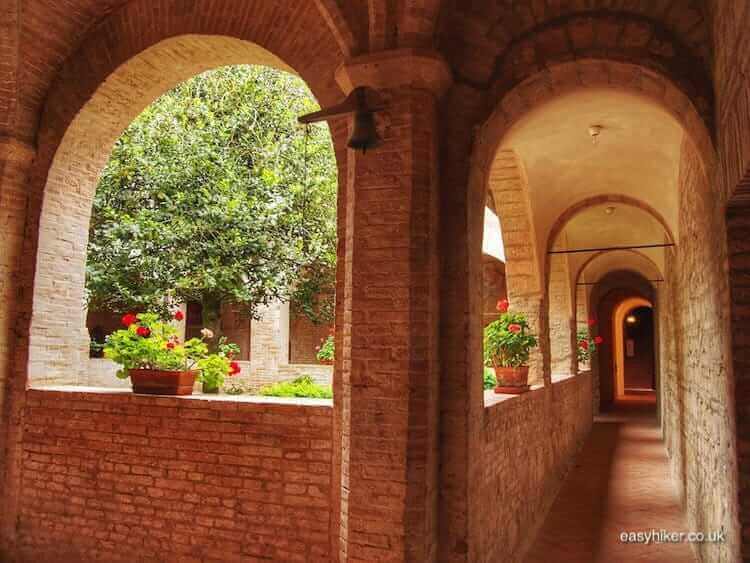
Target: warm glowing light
pixel 630 319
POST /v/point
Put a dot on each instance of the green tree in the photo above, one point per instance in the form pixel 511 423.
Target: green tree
pixel 215 194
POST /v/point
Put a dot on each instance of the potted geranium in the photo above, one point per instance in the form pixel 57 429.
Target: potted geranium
pixel 157 362
pixel 587 342
pixel 507 344
pixel 326 350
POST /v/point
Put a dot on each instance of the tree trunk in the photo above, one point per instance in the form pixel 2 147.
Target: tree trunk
pixel 211 318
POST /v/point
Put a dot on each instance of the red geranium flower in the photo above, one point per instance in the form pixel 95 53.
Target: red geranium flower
pixel 503 305
pixel 514 328
pixel 599 340
pixel 234 368
pixel 129 319
pixel 584 344
pixel 592 322
pixel 170 345
pixel 143 331
pixel 179 315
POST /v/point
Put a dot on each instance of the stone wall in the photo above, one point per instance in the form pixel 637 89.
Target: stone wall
pixel 697 400
pixel 118 477
pixel 561 317
pixel 528 444
pixel 493 287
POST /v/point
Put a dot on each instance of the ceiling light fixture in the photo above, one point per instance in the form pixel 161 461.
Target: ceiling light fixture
pixel 594 132
pixel 631 320
pixel 609 210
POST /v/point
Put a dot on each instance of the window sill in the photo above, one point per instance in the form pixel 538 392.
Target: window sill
pixel 257 399
pixel 491 398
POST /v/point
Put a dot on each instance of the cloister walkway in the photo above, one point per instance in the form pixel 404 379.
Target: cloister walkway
pixel 620 483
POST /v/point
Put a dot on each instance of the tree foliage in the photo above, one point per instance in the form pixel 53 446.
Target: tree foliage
pixel 215 194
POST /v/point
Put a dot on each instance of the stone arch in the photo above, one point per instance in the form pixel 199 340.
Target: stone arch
pixel 582 292
pixel 562 299
pixel 58 336
pixel 622 309
pixel 623 37
pixel 577 207
pixel 565 78
pixel 599 255
pixel 508 189
pixel 603 299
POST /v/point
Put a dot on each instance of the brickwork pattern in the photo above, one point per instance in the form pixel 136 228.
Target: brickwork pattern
pixel 115 477
pixel 528 445
pixel 389 369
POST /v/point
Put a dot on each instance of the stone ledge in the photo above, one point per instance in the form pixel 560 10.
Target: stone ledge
pixel 492 399
pixel 255 399
pixel 561 377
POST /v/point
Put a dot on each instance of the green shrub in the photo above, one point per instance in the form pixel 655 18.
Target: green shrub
pixel 301 387
pixel 490 382
pixel 326 351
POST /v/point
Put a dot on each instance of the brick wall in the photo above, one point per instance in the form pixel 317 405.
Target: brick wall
pixel 528 443
pixel 304 338
pixel 118 477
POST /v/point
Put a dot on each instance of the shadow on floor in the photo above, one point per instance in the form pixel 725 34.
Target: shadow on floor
pixel 620 483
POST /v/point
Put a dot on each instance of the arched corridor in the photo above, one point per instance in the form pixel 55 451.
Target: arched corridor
pixel 574 176
pixel 619 484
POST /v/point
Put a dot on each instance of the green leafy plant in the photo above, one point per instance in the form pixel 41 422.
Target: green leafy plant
pixel 587 342
pixel 326 351
pixel 148 342
pixel 507 341
pixel 303 386
pixel 490 381
pixel 214 194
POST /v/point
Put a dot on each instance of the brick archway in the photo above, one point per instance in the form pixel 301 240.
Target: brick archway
pixel 146 53
pixel 58 348
pixel 568 77
pixel 564 302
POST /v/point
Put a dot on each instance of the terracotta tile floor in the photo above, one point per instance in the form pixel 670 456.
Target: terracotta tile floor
pixel 620 483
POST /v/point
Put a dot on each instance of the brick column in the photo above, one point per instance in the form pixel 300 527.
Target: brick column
pixel 16 156
pixel 387 400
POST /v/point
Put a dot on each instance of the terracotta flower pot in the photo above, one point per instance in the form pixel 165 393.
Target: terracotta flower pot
pixel 512 380
pixel 326 362
pixel 162 382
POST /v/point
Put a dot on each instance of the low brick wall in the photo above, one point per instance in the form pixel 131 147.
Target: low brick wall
pixel 101 373
pixel 529 443
pixel 113 476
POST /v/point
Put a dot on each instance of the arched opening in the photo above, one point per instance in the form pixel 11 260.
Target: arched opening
pixel 635 365
pixel 72 154
pixel 216 203
pixel 59 337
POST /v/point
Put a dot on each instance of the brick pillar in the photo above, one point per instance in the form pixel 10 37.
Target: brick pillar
pixel 15 279
pixel 738 239
pixel 388 373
